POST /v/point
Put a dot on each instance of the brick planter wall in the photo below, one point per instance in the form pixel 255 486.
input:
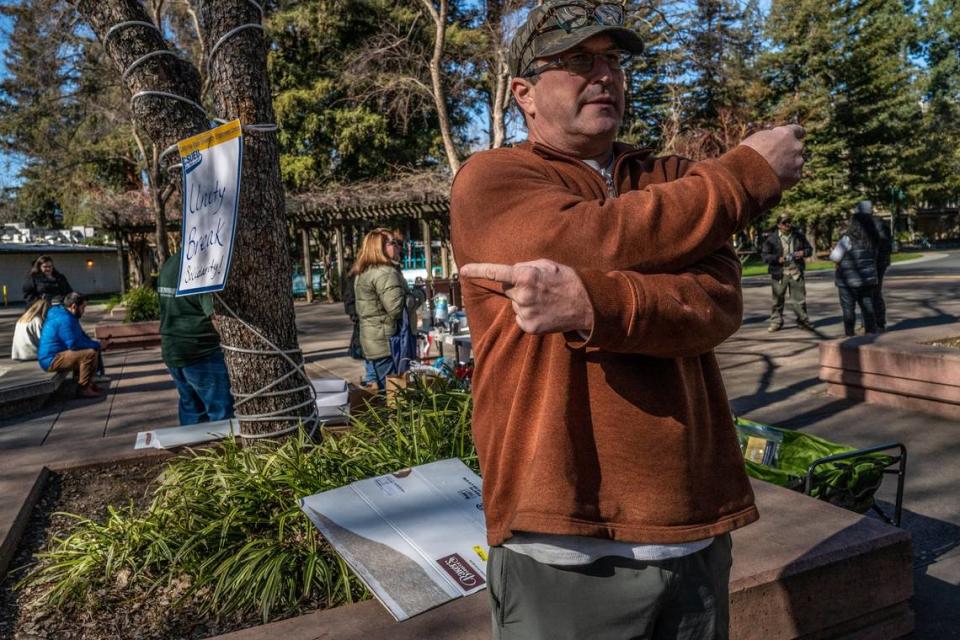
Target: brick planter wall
pixel 896 369
pixel 129 335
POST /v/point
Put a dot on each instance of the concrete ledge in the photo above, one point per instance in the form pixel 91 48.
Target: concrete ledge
pixel 895 400
pixel 129 335
pixel 806 570
pixel 896 369
pixel 26 492
pixel 25 387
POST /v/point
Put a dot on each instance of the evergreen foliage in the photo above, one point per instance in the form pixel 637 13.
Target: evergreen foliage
pixel 876 83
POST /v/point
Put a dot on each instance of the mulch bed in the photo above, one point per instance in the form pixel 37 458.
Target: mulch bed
pixel 953 343
pixel 144 615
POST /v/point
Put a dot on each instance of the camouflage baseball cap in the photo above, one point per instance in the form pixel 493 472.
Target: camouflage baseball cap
pixel 560 25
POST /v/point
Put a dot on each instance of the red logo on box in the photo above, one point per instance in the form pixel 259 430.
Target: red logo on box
pixel 461 571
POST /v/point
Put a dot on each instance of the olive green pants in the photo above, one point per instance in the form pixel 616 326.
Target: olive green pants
pixel 797 291
pixel 613 598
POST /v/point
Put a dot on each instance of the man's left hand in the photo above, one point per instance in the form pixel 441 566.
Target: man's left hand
pixel 547 297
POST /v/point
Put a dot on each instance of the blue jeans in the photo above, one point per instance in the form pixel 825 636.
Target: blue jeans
pixel 204 390
pixel 378 370
pixel 369 372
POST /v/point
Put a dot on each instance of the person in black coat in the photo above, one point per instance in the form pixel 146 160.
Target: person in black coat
pixel 856 275
pixel 44 281
pixel 785 251
pixel 884 251
pixel 349 297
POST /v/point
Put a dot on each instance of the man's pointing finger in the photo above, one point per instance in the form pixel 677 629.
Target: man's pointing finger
pixel 498 272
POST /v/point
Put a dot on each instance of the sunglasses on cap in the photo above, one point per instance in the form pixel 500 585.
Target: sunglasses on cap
pixel 575 15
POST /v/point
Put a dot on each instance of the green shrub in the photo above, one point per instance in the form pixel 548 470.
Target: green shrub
pixel 142 304
pixel 112 302
pixel 227 522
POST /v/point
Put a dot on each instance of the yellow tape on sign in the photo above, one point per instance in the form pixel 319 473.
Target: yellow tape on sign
pixel 210 138
pixel 480 551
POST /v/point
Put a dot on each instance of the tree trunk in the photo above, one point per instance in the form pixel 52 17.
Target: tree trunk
pixel 436 74
pixel 427 248
pixel 164 119
pixel 500 85
pixel 258 288
pixel 159 208
pixel 151 166
pixel 307 263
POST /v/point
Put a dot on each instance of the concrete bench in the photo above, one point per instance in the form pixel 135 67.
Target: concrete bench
pixel 129 335
pixel 896 369
pixel 806 570
pixel 25 387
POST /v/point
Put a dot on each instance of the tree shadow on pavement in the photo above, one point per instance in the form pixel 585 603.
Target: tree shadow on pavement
pixel 935 600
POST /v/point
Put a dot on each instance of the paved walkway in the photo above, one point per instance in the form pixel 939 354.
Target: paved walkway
pixel 770 378
pixel 141 393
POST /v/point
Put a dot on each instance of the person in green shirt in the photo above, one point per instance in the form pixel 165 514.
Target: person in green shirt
pixel 191 350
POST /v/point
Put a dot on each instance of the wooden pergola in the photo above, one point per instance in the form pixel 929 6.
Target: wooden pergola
pixel 304 217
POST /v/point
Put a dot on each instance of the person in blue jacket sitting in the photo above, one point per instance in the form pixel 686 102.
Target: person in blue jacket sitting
pixel 65 347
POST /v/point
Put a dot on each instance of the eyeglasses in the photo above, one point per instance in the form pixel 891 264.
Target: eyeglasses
pixel 393 243
pixel 582 62
pixel 574 16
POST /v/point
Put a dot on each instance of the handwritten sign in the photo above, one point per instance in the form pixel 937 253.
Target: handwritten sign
pixel 211 191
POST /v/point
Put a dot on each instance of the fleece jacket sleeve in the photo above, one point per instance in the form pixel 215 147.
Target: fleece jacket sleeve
pixel 513 206
pixel 646 313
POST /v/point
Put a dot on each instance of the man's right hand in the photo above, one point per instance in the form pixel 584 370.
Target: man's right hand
pixel 782 148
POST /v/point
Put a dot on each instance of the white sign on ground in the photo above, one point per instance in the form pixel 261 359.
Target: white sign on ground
pixel 416 538
pixel 186 435
pixel 211 192
pixel 333 407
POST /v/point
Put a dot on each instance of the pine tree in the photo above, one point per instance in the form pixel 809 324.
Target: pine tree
pixel 940 160
pixel 348 101
pixel 62 111
pixel 800 68
pixel 878 106
pixel 722 45
pixel 651 78
pixel 37 113
pixel 842 70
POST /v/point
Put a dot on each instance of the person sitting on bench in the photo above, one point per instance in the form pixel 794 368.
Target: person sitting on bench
pixel 65 347
pixel 26 334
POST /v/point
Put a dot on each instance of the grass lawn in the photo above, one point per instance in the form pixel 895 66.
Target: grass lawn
pixel 756 267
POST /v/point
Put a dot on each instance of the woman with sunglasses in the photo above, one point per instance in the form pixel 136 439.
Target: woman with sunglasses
pixel 381 295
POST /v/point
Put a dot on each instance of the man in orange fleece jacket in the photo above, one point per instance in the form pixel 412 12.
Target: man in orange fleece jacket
pixel 598 279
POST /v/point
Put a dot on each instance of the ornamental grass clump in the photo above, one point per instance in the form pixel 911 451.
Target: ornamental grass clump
pixel 224 532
